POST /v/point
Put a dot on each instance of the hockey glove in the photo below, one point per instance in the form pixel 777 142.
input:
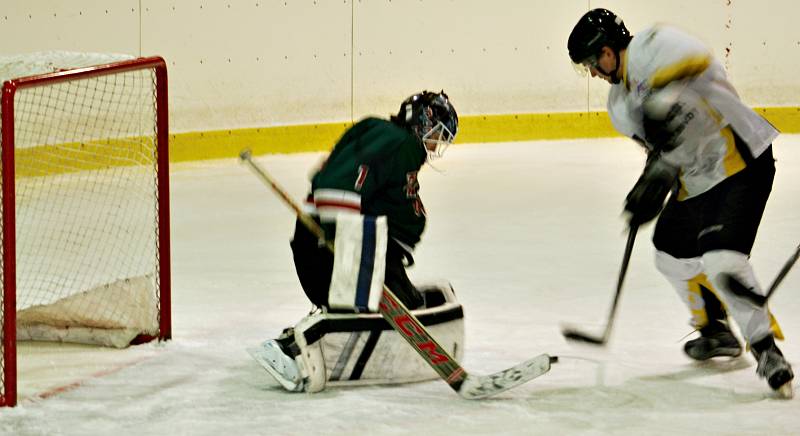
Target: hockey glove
pixel 647 197
pixel 658 134
pixel 670 116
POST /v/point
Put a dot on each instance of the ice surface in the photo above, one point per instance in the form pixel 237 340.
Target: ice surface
pixel 530 235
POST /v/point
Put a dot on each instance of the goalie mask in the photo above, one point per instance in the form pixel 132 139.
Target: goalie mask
pixel 431 117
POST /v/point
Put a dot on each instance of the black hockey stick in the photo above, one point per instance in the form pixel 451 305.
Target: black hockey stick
pixel 740 290
pixel 469 386
pixel 575 335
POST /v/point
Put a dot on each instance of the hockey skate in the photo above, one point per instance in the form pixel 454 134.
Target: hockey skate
pixel 774 367
pixel 715 340
pixel 277 358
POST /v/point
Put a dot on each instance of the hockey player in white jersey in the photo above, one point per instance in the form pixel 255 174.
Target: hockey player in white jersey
pixel 710 158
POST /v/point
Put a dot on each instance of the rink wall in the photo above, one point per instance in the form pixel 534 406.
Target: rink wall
pixel 284 76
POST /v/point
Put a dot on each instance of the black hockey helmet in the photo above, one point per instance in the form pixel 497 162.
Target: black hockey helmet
pixel 596 29
pixel 431 117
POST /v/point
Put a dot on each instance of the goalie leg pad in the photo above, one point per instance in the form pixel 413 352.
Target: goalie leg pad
pixel 358 349
pixel 359 264
pixel 310 360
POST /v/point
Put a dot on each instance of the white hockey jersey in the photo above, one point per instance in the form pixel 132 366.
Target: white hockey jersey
pixel 663 55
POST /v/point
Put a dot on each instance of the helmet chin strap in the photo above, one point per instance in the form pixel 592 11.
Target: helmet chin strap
pixel 614 79
pixel 612 74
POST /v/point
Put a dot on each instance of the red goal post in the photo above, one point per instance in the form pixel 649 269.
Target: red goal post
pixel 85 206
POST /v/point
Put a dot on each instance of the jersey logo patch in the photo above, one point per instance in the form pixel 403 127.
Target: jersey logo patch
pixel 412 184
pixel 412 192
pixel 362 177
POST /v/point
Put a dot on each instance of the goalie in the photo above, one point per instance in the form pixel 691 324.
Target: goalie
pixel 366 198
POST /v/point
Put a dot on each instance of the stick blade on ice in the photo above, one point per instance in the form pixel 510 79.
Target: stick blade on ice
pixel 575 335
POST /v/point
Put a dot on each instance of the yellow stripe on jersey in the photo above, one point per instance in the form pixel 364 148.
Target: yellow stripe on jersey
pixel 685 68
pixel 682 192
pixel 733 161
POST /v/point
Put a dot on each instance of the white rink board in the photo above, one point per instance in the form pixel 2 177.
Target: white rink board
pixel 257 63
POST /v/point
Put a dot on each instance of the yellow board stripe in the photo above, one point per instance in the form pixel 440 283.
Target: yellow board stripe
pixel 220 144
pixel 527 127
pixel 63 158
pixel 472 129
pixel 319 137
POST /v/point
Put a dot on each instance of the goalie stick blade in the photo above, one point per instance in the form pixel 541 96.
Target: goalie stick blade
pixel 476 387
pixel 575 335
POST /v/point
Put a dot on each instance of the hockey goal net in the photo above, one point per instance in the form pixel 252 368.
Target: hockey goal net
pixel 85 216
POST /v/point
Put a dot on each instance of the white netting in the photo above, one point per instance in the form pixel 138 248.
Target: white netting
pixel 29 64
pixel 86 201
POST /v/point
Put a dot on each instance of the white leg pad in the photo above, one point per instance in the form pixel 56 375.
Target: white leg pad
pixel 359 263
pixel 311 360
pixel 357 349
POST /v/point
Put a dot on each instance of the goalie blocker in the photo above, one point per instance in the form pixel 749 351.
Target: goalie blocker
pixel 334 349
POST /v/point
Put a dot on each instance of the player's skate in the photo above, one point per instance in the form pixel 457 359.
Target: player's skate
pixel 715 340
pixel 774 367
pixel 277 358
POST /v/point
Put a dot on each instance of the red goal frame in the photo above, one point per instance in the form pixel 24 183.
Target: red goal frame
pixel 9 395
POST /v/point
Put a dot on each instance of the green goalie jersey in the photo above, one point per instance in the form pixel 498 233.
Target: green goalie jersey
pixel 372 170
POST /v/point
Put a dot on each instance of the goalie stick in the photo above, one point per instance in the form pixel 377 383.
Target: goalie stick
pixel 573 334
pixel 468 386
pixel 740 290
